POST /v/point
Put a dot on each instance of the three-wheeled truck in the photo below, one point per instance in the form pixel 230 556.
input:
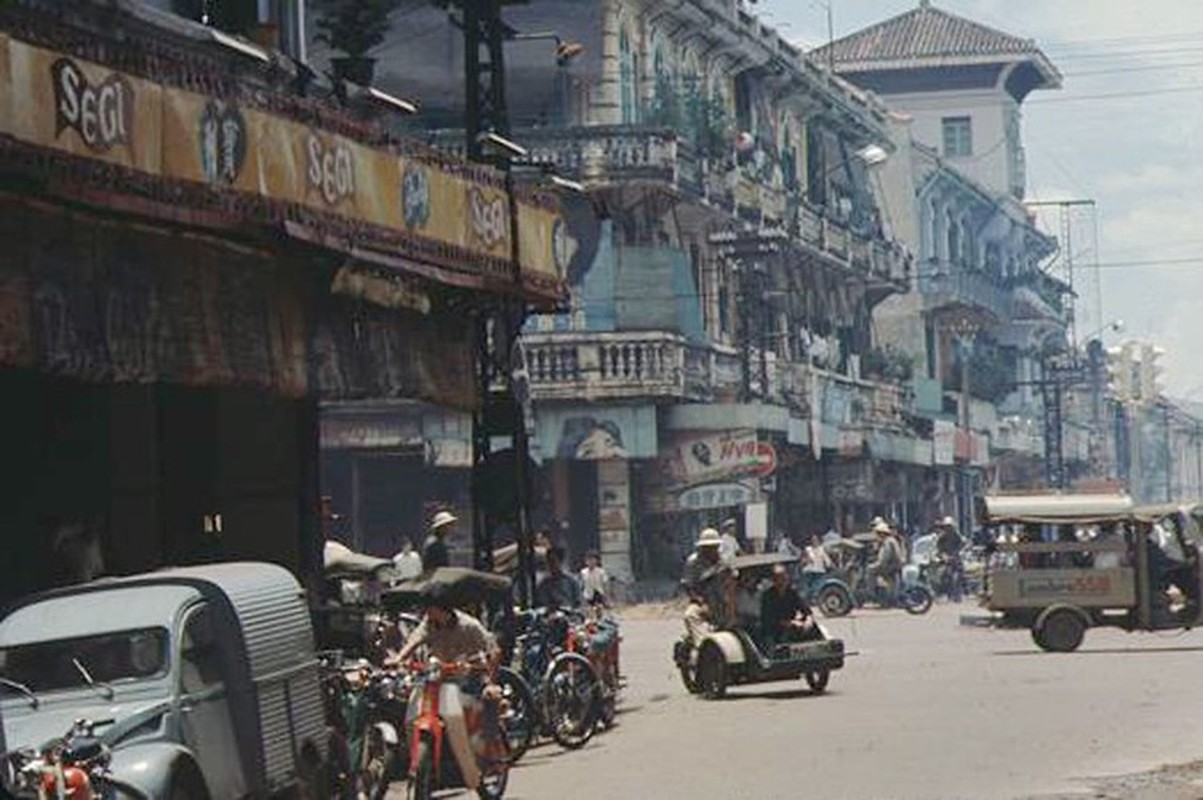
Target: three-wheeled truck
pixel 739 653
pixel 1061 563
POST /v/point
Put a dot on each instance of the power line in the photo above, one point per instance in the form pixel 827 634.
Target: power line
pixel 1117 95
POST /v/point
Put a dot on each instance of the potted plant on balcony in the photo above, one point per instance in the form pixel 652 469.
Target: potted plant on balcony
pixel 354 28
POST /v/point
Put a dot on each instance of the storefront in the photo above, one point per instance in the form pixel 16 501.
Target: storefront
pixel 194 258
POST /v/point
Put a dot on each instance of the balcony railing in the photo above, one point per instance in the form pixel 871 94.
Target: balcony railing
pixel 943 283
pixel 608 366
pixel 839 399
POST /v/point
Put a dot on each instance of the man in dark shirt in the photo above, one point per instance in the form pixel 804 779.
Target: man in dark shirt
pixel 434 549
pixel 784 614
pixel 558 589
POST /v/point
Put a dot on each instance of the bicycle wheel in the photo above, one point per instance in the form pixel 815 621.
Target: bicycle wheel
pixel 571 700
pixel 520 717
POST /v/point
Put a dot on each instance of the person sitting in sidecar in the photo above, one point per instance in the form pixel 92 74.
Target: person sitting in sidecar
pixel 785 616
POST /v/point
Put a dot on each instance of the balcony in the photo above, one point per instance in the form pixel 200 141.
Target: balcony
pixel 840 400
pixel 649 365
pixel 1039 296
pixel 945 284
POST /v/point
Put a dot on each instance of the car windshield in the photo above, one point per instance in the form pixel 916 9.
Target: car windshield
pixel 106 658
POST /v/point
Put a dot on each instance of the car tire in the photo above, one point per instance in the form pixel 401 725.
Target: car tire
pixel 712 672
pixel 187 783
pixel 1060 631
pixel 817 680
pixel 835 601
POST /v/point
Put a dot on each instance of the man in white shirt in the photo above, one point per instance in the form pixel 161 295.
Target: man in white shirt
pixel 408 563
pixel 729 546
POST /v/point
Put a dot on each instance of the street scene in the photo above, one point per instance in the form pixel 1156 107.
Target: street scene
pixel 605 398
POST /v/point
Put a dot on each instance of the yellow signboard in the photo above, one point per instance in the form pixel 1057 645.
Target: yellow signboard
pixel 89 110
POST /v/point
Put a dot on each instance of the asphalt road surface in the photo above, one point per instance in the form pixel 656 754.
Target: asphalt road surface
pixel 928 709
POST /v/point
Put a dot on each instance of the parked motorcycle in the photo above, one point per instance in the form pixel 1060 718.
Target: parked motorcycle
pixel 74 765
pixel 433 765
pixel 366 707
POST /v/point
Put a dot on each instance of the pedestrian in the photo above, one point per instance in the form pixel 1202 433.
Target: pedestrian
pixel 728 546
pixel 887 566
pixel 595 583
pixel 434 550
pixel 558 589
pixel 408 563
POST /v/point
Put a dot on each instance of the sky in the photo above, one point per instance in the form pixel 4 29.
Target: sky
pixel 1125 130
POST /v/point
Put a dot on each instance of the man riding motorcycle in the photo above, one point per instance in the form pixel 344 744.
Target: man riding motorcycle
pixel 948 550
pixel 454 636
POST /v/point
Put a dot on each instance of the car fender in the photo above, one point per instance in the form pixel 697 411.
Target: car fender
pixel 148 768
pixel 729 644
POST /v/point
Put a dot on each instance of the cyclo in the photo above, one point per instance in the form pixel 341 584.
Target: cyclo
pixel 1062 563
pixel 738 652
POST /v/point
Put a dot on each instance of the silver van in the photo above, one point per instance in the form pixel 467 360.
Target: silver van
pixel 208 675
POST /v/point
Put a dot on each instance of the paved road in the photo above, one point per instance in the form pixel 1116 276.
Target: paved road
pixel 930 709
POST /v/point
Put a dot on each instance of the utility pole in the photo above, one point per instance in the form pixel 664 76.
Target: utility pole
pixel 499 325
pixel 1066 222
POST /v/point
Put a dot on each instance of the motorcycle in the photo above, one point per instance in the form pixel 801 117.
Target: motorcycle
pixel 432 763
pixel 366 707
pixel 74 765
pixel 596 637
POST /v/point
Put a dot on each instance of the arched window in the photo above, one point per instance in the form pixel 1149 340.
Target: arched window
pixel 628 76
pixel 954 239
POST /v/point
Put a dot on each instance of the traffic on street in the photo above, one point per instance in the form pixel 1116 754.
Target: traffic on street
pixel 600 399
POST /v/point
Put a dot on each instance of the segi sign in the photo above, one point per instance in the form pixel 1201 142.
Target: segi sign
pixel 101 114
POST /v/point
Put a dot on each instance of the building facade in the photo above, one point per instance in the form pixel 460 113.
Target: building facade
pixel 202 245
pixel 986 314
pixel 715 358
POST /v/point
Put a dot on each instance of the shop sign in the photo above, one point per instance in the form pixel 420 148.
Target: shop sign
pixel 715 495
pixel 944 438
pixel 222 142
pixel 331 168
pixel 100 113
pixel 86 109
pixel 695 459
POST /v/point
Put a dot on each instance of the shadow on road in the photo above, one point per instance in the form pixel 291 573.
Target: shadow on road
pixel 780 694
pixel 1104 651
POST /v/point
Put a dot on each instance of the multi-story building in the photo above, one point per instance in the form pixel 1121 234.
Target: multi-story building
pixel 985 314
pixel 716 357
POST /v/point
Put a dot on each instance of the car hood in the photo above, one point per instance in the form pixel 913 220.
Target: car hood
pixel 24 727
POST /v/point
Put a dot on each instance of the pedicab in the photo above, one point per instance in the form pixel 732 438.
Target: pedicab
pixel 1062 563
pixel 738 652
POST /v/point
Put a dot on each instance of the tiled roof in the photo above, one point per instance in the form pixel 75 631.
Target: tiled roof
pixel 924 34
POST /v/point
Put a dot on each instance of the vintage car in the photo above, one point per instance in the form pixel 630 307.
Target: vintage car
pixel 1062 563
pixel 739 653
pixel 206 678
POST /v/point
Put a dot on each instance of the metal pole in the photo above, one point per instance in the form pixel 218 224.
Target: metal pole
pixel 1169 453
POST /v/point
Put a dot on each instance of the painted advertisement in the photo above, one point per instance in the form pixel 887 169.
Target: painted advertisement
pixel 691 459
pixel 596 434
pixel 86 109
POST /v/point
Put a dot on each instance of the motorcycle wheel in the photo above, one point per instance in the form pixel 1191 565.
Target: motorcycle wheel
pixel 421 782
pixel 689 677
pixel 521 718
pixel 917 600
pixel 572 700
pixel 834 601
pixel 379 765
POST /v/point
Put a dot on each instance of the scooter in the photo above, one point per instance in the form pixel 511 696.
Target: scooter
pixel 432 763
